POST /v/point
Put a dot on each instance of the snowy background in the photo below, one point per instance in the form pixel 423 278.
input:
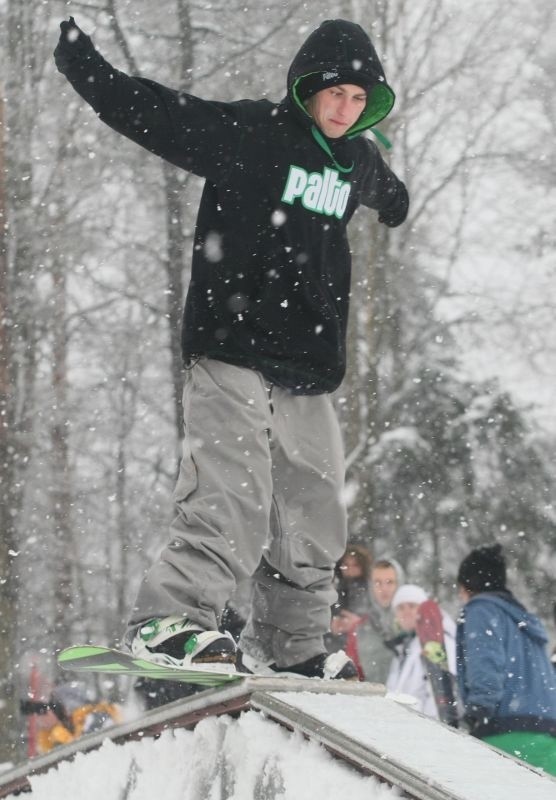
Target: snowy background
pixel 447 405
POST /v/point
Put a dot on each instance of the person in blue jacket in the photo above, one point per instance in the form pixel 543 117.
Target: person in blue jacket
pixel 505 678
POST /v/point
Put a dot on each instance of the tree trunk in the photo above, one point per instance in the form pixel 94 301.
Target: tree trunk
pixel 18 345
pixel 176 239
pixel 8 492
pixel 60 493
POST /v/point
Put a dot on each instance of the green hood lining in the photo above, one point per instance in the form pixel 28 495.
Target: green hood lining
pixel 380 102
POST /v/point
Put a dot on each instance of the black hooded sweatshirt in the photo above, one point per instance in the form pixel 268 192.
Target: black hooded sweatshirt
pixel 270 276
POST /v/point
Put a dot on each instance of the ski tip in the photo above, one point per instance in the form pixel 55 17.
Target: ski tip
pixel 76 652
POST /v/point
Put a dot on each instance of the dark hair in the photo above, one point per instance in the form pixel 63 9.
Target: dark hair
pixel 483 570
pixel 362 556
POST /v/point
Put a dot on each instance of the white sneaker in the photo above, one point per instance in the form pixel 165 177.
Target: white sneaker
pixel 254 666
pixel 178 642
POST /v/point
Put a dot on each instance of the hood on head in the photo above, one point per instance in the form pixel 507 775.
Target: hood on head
pixel 343 49
pixel 396 566
pixel 529 624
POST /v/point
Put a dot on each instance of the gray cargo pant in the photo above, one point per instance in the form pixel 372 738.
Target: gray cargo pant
pixel 260 492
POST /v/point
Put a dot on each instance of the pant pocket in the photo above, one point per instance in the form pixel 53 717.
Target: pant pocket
pixel 187 478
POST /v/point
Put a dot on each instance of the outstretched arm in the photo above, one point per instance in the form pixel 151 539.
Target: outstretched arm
pixel 191 133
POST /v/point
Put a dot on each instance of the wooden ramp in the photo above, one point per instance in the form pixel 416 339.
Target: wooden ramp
pixel 231 699
pixel 353 721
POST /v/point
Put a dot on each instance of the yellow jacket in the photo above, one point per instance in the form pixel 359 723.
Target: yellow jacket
pixel 58 734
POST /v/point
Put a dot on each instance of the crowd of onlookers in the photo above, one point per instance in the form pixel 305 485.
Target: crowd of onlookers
pixel 497 651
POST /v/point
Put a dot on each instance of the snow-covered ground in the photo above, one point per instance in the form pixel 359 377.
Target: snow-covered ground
pixel 253 758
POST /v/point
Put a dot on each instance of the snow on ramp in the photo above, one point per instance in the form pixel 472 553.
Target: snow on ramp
pixel 249 758
pixel 461 766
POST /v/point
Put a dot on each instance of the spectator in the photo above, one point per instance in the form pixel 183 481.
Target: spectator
pixel 352 582
pixel 506 681
pixel 353 579
pixel 69 713
pixel 408 674
pixel 366 633
pixel 386 576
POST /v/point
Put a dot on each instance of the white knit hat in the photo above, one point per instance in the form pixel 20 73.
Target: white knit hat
pixel 409 593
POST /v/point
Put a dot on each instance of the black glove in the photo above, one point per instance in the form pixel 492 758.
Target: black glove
pixel 395 215
pixel 392 220
pixel 73 46
pixel 33 707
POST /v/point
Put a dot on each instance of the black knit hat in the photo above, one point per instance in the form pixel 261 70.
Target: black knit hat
pixel 483 570
pixel 316 81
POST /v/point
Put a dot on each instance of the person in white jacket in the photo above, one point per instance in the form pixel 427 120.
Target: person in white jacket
pixel 407 672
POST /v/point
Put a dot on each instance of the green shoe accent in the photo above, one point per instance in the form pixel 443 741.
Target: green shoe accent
pixel 149 630
pixel 190 644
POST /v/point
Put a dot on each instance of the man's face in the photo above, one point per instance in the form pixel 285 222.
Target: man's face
pixel 337 108
pixel 384 583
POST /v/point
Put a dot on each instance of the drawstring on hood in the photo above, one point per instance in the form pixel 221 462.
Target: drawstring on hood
pixel 337 52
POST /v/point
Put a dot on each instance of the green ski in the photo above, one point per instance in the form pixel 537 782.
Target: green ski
pixel 93 658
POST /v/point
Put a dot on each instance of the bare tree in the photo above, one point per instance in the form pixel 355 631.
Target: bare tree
pixel 61 494
pixel 19 336
pixel 8 494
